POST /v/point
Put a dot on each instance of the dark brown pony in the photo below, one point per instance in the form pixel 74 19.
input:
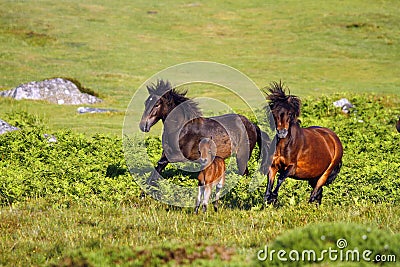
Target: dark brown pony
pixel 313 153
pixel 212 173
pixel 184 127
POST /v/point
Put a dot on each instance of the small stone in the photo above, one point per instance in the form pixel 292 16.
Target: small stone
pixel 82 110
pixel 5 127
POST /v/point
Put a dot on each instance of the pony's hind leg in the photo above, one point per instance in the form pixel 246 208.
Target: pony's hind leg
pixel 218 192
pixel 242 159
pixel 198 200
pixel 201 192
pixel 316 193
pixel 316 196
pixel 207 194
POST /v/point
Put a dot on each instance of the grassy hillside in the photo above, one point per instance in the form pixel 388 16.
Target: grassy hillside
pixel 112 47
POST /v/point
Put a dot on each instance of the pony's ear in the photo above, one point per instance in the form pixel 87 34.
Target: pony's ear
pixel 151 89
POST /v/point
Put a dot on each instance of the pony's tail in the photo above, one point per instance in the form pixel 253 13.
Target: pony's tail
pixel 266 150
pixel 259 141
pixel 334 173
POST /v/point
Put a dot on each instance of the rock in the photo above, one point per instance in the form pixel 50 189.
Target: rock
pixel 82 110
pixel 345 104
pixel 5 127
pixel 50 138
pixel 58 90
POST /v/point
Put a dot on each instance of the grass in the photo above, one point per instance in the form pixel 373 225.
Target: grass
pixel 112 47
pixel 41 229
pixel 74 202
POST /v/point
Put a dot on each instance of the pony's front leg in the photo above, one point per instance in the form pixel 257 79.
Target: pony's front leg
pixel 162 163
pixel 271 178
pixel 281 178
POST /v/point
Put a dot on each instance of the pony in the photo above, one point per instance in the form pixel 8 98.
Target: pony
pixel 213 172
pixel 313 153
pixel 185 126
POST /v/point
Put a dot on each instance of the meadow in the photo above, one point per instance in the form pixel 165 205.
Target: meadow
pixel 75 203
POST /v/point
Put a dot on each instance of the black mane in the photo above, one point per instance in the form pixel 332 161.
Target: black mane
pixel 276 95
pixel 174 97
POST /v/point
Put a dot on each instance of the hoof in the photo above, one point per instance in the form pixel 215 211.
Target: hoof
pixel 272 200
pixel 204 209
pixel 315 201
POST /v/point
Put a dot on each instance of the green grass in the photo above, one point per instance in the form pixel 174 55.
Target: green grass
pixel 41 231
pixel 112 47
pixel 71 209
pixel 74 202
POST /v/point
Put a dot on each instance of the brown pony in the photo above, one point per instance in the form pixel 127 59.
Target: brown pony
pixel 185 126
pixel 313 153
pixel 213 172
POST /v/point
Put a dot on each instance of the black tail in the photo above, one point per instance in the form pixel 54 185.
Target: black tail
pixel 259 140
pixel 266 150
pixel 334 173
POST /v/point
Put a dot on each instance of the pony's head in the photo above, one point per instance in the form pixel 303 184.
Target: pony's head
pixel 284 108
pixel 163 98
pixel 207 150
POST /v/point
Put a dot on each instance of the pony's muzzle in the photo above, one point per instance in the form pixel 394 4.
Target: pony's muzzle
pixel 203 162
pixel 144 126
pixel 282 133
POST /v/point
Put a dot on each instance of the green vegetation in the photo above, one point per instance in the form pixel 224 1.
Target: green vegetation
pixel 74 202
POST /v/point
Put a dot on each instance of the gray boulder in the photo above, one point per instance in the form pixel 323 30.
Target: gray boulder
pixel 58 90
pixel 344 104
pixel 5 127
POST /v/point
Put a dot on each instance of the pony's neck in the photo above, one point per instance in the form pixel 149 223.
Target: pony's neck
pixel 186 110
pixel 294 129
pixel 170 109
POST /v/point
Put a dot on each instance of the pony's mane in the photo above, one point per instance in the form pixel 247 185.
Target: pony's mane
pixel 276 95
pixel 172 95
